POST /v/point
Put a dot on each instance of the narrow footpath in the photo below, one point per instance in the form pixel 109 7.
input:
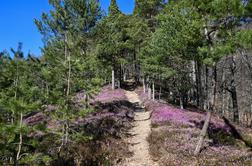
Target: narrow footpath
pixel 138 142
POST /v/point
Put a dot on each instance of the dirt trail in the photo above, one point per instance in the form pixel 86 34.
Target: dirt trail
pixel 138 143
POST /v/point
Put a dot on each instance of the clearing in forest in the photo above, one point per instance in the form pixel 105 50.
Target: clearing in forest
pixel 141 130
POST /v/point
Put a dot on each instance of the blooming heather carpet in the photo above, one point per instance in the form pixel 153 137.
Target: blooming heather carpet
pixel 175 134
pixel 107 94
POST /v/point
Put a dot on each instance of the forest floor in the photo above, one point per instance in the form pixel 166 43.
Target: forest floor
pixel 128 129
pixel 139 145
pixel 162 134
pixel 174 135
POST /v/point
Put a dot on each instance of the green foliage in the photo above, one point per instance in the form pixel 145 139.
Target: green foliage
pixel 113 41
pixel 219 26
pixel 244 39
pixel 148 9
pixel 82 47
pixel 27 84
pixel 18 98
pixel 113 8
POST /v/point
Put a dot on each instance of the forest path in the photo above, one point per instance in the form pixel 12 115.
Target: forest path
pixel 138 142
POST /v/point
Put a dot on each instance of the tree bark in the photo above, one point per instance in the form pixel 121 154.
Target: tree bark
pixel 246 58
pixel 16 81
pixel 205 106
pixel 66 133
pixel 153 91
pixel 119 84
pixel 144 88
pixel 69 75
pixel 124 74
pixel 47 90
pixel 20 137
pixel 235 106
pixel 199 86
pixel 120 76
pixel 181 102
pixel 68 62
pixel 149 91
pixel 113 79
pixel 65 47
pixel 203 133
pixel 209 112
pixel 233 68
pixel 160 92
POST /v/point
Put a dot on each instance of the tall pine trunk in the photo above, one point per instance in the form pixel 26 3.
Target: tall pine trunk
pixel 144 88
pixel 149 91
pixel 205 105
pixel 246 58
pixel 69 75
pixel 235 106
pixel 20 138
pixel 120 76
pixel 199 85
pixel 153 91
pixel 233 68
pixel 181 102
pixel 113 79
pixel 160 92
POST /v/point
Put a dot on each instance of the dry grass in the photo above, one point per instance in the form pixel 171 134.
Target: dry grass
pixel 173 145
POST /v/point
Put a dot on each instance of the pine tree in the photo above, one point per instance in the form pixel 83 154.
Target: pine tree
pixel 66 30
pixel 19 97
pixel 113 8
pixel 148 9
pixel 112 43
pixel 219 27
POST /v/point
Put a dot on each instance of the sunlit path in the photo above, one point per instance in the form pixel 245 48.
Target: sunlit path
pixel 138 143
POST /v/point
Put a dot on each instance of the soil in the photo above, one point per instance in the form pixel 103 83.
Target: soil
pixel 139 145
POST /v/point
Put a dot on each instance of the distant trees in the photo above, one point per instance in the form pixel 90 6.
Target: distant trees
pixel 114 42
pixel 148 10
pixel 173 44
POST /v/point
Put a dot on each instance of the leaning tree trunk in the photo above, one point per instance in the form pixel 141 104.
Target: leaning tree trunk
pixel 209 112
pixel 203 133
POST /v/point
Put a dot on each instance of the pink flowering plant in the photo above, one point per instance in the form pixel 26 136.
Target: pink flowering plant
pixel 176 134
pixel 107 94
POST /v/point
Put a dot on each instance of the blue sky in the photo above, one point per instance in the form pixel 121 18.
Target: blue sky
pixel 16 22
